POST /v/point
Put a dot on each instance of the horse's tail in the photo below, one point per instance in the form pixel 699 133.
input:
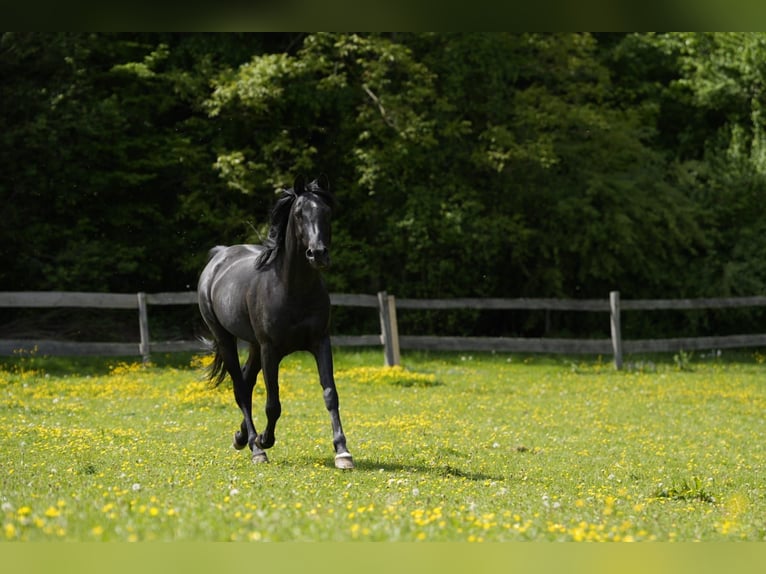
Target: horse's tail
pixel 216 371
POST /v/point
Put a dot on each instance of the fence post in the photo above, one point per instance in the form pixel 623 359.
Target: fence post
pixel 389 330
pixel 397 359
pixel 614 312
pixel 143 327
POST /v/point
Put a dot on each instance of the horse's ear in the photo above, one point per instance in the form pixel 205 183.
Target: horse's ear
pixel 323 182
pixel 299 185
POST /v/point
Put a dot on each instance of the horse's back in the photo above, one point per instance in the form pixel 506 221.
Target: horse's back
pixel 221 257
pixel 234 251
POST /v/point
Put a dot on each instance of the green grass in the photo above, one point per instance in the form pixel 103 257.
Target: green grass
pixel 452 448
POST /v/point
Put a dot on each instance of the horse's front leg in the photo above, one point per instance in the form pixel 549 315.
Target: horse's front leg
pixel 323 356
pixel 270 366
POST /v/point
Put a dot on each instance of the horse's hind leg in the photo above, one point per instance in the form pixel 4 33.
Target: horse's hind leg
pixel 249 376
pixel 243 382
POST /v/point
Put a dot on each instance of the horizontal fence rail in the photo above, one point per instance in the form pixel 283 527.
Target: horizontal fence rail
pixel 690 304
pixel 32 299
pixel 506 304
pixel 387 306
pixel 141 302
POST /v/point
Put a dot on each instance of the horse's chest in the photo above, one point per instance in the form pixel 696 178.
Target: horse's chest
pixel 297 326
pixel 302 321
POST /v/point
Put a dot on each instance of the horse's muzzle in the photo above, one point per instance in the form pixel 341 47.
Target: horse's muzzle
pixel 319 258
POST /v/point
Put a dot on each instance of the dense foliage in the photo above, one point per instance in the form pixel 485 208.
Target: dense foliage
pixel 535 165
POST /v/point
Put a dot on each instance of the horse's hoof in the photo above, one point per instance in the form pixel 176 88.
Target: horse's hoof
pixel 263 443
pixel 237 445
pixel 260 457
pixel 344 461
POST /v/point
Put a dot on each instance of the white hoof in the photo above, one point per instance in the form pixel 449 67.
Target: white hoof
pixel 344 461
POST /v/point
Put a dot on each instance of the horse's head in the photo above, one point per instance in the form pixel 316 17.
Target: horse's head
pixel 312 212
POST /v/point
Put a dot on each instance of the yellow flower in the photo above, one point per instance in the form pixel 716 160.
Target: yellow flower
pixel 52 512
pixel 392 375
pixel 10 531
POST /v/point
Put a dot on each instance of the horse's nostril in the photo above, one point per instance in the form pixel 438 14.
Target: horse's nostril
pixel 319 256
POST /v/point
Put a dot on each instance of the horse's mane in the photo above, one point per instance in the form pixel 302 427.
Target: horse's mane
pixel 280 215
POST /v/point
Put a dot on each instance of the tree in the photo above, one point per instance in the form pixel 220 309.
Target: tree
pixel 105 150
pixel 561 165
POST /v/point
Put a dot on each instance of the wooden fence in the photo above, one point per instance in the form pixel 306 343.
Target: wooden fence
pixel 141 302
pixel 387 306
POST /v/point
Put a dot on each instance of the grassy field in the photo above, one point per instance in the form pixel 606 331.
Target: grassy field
pixel 451 448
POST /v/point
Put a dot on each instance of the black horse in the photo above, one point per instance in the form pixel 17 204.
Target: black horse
pixel 273 297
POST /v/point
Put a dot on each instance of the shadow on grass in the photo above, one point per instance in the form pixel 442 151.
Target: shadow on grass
pixel 441 470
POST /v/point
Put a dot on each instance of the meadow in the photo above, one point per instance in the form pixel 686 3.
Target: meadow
pixel 452 447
